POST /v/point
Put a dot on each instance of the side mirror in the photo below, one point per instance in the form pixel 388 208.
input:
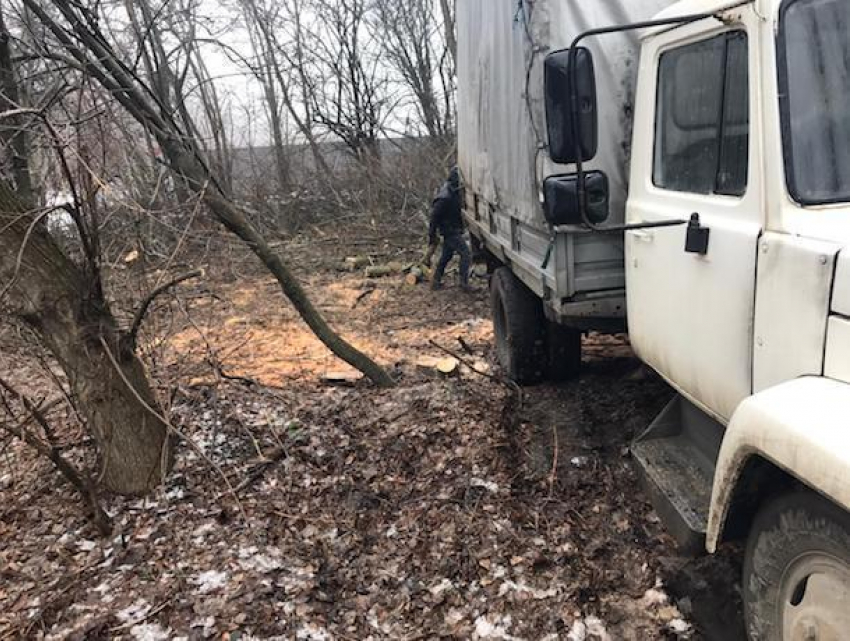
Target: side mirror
pixel 560 196
pixel 563 146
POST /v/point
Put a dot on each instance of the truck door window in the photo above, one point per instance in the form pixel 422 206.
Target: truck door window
pixel 814 53
pixel 702 120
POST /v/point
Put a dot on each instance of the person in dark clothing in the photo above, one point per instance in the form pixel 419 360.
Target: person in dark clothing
pixel 446 221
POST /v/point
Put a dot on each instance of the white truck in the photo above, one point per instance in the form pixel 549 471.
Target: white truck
pixel 685 167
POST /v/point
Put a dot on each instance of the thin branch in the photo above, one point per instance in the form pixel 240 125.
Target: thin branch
pixel 83 485
pixel 132 336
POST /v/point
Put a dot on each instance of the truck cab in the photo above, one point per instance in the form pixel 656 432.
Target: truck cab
pixel 742 128
pixel 738 288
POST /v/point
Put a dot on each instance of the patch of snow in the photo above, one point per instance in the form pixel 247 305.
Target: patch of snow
pixel 210 581
pixel 490 486
pixel 250 558
pixel 679 627
pixel 588 629
pixel 134 612
pixel 310 632
pixel 297 579
pixel 175 494
pixel 579 461
pixel 441 587
pixel 202 530
pixel 497 629
pixel 596 629
pixel 654 596
pixel 537 595
pixel 150 632
pixel 578 632
pixel 453 617
pixel 86 545
pixel 207 624
pixel 105 592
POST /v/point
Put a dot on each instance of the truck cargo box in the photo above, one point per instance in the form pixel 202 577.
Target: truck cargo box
pixel 502 46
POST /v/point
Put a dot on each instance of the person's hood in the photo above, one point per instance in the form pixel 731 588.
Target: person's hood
pixel 454 179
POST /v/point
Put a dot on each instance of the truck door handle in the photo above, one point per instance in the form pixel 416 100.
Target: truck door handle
pixel 696 241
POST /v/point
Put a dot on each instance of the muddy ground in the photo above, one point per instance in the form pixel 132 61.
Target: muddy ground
pixel 446 508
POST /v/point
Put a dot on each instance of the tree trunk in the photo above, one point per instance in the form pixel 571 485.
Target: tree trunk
pixel 14 135
pixel 448 8
pixel 65 309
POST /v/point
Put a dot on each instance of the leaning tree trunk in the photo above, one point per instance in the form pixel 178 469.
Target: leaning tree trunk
pixel 109 385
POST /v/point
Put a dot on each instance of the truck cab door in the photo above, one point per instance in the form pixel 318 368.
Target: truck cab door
pixel 691 291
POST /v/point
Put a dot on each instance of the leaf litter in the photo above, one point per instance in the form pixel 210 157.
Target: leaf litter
pixel 427 511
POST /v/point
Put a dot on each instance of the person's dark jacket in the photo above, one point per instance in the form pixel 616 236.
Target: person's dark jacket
pixel 446 216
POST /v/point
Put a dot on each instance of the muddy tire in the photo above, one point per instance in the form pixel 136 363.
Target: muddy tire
pixel 796 582
pixel 519 327
pixel 563 352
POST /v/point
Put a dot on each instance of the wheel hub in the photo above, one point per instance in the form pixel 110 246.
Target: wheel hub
pixel 816 600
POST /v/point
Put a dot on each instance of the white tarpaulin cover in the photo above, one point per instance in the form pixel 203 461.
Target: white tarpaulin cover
pixel 501 132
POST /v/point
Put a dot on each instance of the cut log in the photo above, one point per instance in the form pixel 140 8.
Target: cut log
pixel 448 366
pixel 416 274
pixel 382 271
pixel 439 366
pixel 378 271
pixel 342 378
pixel 353 263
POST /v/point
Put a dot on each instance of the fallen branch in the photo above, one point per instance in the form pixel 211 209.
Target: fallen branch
pixel 465 346
pixel 511 385
pixel 139 620
pixel 261 468
pixel 362 295
pixel 77 479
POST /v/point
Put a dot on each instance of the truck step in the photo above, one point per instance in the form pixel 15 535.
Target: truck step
pixel 676 457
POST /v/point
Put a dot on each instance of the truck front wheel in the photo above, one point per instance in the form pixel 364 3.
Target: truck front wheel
pixel 519 327
pixel 796 580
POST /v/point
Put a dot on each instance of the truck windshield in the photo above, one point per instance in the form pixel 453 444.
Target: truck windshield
pixel 814 51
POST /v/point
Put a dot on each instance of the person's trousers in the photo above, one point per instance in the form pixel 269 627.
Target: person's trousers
pixel 454 244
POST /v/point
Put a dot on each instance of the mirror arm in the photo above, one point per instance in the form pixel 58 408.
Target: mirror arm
pixel 574 109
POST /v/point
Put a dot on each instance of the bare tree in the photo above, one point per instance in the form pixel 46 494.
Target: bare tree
pixel 413 42
pixel 80 37
pixel 63 302
pixel 345 79
pixel 278 63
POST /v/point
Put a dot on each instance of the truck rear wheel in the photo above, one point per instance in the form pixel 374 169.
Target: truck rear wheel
pixel 796 580
pixel 519 327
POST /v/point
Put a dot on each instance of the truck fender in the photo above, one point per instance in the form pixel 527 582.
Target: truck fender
pixel 800 426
